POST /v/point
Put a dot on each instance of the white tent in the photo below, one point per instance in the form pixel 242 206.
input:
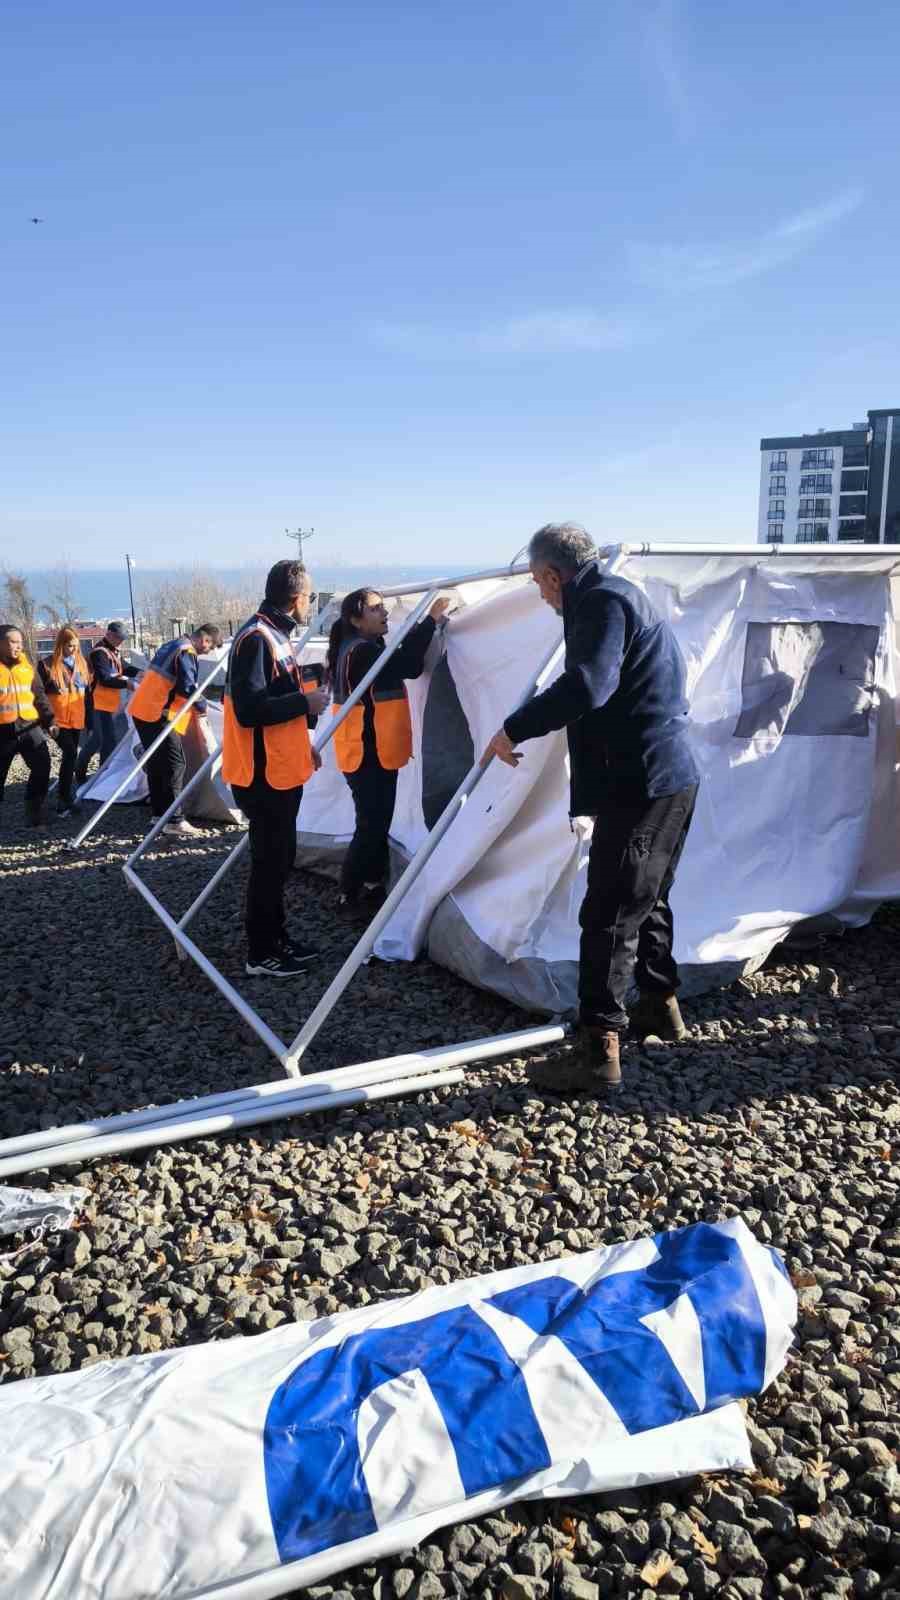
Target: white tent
pixel 791 679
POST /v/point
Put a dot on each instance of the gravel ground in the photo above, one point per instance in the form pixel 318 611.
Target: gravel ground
pixel 782 1107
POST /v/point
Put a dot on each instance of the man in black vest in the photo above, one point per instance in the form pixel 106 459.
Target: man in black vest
pixel 621 699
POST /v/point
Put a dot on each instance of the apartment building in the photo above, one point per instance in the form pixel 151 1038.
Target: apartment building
pixel 834 485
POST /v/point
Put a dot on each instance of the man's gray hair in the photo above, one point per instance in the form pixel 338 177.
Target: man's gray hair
pixel 564 545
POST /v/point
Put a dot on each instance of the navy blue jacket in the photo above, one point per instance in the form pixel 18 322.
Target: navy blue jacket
pixel 621 697
pixel 357 656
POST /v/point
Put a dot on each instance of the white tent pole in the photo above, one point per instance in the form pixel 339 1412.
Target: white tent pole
pixel 361 952
pixel 260 1028
pixel 365 1072
pixel 319 742
pixel 660 548
pixel 203 1127
pixel 213 760
pixel 145 757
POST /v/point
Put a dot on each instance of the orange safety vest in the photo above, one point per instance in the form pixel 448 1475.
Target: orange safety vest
pixel 66 694
pixel 106 699
pixel 289 761
pixel 155 695
pixel 390 712
pixel 16 694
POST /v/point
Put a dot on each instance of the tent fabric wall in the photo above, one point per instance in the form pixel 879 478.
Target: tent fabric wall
pixel 795 821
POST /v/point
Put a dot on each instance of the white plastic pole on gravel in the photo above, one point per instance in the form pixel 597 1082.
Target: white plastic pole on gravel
pixel 213 1122
pixel 415 1063
pixel 101 811
pixel 319 742
pixel 361 951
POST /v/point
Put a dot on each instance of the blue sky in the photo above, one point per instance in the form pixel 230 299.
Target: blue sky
pixel 423 275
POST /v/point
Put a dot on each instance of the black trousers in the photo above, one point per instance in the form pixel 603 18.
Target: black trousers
pixel 626 921
pixel 31 744
pixel 272 815
pixel 367 860
pixel 165 769
pixel 67 739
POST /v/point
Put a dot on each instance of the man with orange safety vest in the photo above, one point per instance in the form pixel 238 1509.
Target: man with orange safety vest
pixel 25 721
pixel 267 757
pixel 157 702
pixel 109 676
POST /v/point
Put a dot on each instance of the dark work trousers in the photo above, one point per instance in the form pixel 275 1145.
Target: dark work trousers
pixel 111 726
pixel 89 746
pixel 31 744
pixel 165 769
pixel 626 922
pixel 272 815
pixel 367 860
pixel 67 739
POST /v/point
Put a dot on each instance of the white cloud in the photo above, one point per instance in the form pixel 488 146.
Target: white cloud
pixel 698 267
pixel 537 333
pixel 664 49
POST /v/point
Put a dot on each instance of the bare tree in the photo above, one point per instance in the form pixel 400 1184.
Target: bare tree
pixel 62 606
pixel 191 596
pixel 19 607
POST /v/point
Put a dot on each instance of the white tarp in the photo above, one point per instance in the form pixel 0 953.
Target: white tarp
pixel 212 798
pixel 260 1465
pixel 791 682
pixel 24 1210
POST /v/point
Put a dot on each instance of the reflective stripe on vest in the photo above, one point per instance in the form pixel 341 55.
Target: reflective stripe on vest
pixel 155 695
pixel 289 761
pixel 106 699
pixel 66 695
pixel 16 694
pixel 390 716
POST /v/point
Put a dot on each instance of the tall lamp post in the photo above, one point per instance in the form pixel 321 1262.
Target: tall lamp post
pixel 300 534
pixel 129 564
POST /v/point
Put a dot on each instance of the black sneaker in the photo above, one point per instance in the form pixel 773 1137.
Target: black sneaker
pixel 280 966
pixel 304 953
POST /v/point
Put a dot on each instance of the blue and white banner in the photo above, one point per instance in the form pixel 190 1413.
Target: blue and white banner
pixel 253 1467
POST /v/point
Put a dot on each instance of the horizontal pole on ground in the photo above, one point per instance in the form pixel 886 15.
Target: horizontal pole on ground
pixel 333 1078
pixel 213 1122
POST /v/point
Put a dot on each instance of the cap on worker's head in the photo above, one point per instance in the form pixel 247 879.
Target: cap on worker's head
pixel 119 629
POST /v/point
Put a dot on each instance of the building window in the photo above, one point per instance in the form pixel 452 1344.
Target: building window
pixel 776 532
pixel 853 505
pixel 778 485
pixel 823 509
pixel 815 483
pixel 821 535
pixel 855 455
pixel 776 510
pixel 816 458
pixel 778 462
pixel 856 530
pixel 812 532
pixel 854 480
pixel 807 508
pixel 823 483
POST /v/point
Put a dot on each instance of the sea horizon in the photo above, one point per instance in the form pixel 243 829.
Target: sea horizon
pixel 101 593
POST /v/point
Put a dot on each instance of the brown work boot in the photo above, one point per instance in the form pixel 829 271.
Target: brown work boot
pixel 659 1015
pixel 589 1065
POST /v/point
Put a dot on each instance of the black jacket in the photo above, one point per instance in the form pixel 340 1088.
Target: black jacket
pixel 261 699
pixel 357 656
pixel 621 697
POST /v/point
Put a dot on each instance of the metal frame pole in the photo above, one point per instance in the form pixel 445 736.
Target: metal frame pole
pixel 204 1126
pixel 326 733
pixel 363 949
pixel 89 826
pixel 387 1068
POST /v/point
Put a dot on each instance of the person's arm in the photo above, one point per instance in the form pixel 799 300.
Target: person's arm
pixel 251 688
pixel 101 666
pixel 42 704
pixel 410 655
pixel 186 677
pixel 130 671
pixel 596 651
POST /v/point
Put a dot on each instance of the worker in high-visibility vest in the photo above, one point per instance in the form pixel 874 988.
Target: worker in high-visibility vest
pixel 375 740
pixel 65 681
pixel 157 703
pixel 270 705
pixel 25 720
pixel 110 674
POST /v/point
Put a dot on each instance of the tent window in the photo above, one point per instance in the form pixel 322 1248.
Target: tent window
pixel 447 749
pixel 807 678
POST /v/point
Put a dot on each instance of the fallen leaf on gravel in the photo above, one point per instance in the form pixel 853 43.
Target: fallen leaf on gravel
pixel 762 1485
pixel 363 1180
pixel 655 1570
pixel 708 1550
pixel 569 1526
pixel 819 1468
pixel 804 1521
pixel 804 1279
